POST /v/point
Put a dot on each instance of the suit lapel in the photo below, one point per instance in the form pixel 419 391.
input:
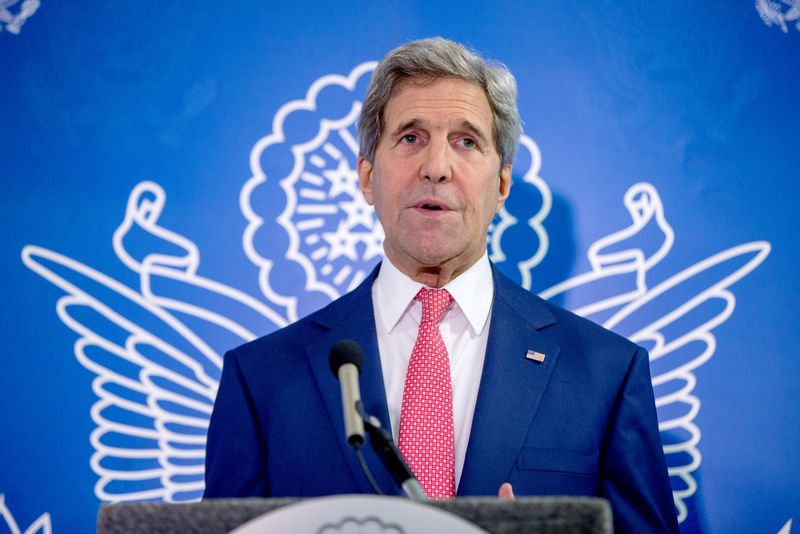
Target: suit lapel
pixel 352 317
pixel 511 386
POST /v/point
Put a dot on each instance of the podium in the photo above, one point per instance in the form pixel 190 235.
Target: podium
pixel 526 514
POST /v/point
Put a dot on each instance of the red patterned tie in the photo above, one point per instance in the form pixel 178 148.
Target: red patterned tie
pixel 426 415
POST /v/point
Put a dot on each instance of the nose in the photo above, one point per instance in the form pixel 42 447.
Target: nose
pixel 437 166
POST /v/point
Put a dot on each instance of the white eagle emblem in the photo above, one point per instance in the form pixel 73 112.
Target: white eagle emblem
pixel 42 524
pixel 12 22
pixel 773 14
pixel 156 349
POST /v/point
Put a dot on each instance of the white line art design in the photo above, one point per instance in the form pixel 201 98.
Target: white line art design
pixel 773 14
pixel 42 524
pixel 157 349
pixel 673 319
pixel 156 352
pixel 505 220
pixel 333 233
pixel 325 215
pixel 12 22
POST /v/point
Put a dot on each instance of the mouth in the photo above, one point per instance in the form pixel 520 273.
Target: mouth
pixel 431 206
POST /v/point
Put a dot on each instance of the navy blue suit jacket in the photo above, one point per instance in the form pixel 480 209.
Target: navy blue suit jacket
pixel 582 422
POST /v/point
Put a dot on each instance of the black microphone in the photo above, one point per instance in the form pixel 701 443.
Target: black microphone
pixel 346 359
pixel 383 445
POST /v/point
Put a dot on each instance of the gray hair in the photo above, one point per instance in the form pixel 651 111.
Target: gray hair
pixel 438 58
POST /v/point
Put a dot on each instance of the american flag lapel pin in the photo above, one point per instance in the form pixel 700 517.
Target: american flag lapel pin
pixel 538 357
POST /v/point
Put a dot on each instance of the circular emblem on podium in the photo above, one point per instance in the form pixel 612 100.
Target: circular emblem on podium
pixel 356 514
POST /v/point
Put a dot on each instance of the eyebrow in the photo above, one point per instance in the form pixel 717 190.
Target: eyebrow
pixel 413 123
pixel 466 125
pixel 417 123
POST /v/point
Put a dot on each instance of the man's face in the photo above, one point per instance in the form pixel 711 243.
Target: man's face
pixel 436 181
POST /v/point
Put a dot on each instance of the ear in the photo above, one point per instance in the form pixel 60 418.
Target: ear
pixel 505 185
pixel 365 170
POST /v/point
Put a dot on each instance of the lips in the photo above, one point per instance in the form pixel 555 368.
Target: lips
pixel 429 205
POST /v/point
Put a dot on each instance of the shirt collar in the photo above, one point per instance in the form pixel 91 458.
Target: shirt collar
pixel 472 291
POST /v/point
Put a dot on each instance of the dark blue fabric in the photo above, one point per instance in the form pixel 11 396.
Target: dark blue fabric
pixel 583 422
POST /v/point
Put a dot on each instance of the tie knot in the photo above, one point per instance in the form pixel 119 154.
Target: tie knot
pixel 434 303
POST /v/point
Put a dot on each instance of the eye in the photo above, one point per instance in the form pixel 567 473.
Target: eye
pixel 409 139
pixel 468 142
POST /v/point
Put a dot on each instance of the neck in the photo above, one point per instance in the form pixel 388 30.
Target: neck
pixel 435 276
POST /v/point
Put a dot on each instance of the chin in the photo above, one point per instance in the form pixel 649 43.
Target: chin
pixel 434 256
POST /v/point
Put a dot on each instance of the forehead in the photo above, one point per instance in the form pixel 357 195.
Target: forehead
pixel 439 101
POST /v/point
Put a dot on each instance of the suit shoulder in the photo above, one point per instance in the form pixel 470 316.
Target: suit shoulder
pixel 292 338
pixel 590 329
pixel 570 328
pixel 300 332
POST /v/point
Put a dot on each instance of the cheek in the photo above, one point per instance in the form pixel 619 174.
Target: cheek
pixel 382 194
pixel 382 202
pixel 389 191
pixel 491 202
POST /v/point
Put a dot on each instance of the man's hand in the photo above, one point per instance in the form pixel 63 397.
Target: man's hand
pixel 506 492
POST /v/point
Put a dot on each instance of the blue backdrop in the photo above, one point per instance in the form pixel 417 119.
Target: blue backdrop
pixel 179 177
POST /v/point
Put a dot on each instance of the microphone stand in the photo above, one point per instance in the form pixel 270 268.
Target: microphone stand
pixel 383 445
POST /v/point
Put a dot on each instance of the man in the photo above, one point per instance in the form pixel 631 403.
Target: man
pixel 481 382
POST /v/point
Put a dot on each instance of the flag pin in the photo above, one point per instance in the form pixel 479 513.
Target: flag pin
pixel 538 357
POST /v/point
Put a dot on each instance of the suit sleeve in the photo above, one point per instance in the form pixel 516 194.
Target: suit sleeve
pixel 634 473
pixel 235 451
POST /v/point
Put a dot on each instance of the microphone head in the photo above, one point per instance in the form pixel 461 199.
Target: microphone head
pixel 345 351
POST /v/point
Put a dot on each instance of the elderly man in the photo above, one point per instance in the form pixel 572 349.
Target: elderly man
pixel 482 383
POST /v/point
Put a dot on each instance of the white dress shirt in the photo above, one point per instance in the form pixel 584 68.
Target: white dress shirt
pixel 464 328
